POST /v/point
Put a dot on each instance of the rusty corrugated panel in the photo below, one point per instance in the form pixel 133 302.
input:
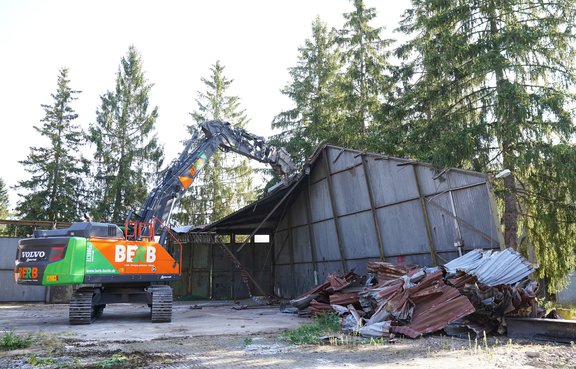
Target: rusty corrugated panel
pixel 344 298
pixel 386 271
pixel 439 313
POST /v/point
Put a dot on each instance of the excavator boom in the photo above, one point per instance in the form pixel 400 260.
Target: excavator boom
pixel 111 266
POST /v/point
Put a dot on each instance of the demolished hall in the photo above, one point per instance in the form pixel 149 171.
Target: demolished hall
pixel 390 244
pixel 343 210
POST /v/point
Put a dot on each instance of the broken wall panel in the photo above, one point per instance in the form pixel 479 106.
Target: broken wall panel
pixel 484 229
pixel 443 223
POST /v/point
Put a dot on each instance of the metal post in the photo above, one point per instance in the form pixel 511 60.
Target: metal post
pixel 291 249
pixel 426 218
pixel 373 208
pixel 332 203
pixel 311 232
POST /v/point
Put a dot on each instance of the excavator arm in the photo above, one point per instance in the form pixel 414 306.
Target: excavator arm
pixel 205 141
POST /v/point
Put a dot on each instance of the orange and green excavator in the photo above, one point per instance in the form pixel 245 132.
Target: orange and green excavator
pixel 109 265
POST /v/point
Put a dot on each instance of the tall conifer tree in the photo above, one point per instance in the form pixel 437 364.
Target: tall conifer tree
pixel 486 85
pixel 366 84
pixel 54 189
pixel 4 206
pixel 316 94
pixel 127 153
pixel 4 200
pixel 224 184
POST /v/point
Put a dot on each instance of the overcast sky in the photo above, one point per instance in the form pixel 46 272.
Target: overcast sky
pixel 255 40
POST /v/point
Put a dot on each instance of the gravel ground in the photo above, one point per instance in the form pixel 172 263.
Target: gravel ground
pixel 221 336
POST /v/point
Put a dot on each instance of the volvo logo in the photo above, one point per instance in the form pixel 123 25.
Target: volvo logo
pixel 33 254
pixel 37 255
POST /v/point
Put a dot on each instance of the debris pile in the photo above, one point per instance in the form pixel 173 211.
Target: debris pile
pixel 473 293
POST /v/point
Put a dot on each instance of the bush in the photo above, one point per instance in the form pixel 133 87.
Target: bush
pixel 324 324
pixel 10 341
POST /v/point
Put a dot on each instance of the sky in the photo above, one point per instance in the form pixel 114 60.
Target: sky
pixel 255 40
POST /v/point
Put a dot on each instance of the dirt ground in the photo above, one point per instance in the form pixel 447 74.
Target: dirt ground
pixel 241 335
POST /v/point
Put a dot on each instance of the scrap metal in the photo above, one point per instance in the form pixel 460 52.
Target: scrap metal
pixel 475 293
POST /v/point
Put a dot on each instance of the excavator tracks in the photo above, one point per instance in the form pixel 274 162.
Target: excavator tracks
pixel 161 303
pixel 81 310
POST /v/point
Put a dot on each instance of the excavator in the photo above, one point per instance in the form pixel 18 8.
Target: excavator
pixel 107 263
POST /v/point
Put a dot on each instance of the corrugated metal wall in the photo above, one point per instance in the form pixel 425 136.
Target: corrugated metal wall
pixel 358 207
pixel 9 290
pixel 210 273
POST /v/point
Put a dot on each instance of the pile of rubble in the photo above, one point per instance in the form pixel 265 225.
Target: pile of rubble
pixel 473 293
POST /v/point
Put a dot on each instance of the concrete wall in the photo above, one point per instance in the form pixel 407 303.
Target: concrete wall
pixel 9 290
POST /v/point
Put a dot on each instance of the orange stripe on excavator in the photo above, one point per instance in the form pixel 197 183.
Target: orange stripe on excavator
pixel 186 181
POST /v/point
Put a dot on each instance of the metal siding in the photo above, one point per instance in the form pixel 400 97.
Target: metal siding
pixel 8 248
pixel 359 236
pixel 450 179
pixel 391 183
pixel 419 259
pixel 320 205
pixel 429 185
pixel 359 266
pixel 480 217
pixel 199 286
pixel 326 268
pixel 262 257
pixel 298 211
pixel 350 191
pixel 317 171
pixel 221 288
pixel 325 240
pixel 9 290
pixel 303 277
pixel 283 223
pixel 282 247
pixel 283 284
pixel 239 288
pixel 403 229
pixel 12 292
pixel 340 160
pixel 301 244
pixel 442 223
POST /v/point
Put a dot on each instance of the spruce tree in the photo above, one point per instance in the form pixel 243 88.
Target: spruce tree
pixel 486 85
pixel 127 154
pixel 4 206
pixel 4 200
pixel 224 184
pixel 316 94
pixel 54 189
pixel 365 55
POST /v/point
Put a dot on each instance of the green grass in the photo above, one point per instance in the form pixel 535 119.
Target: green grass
pixel 10 341
pixel 115 361
pixel 322 325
